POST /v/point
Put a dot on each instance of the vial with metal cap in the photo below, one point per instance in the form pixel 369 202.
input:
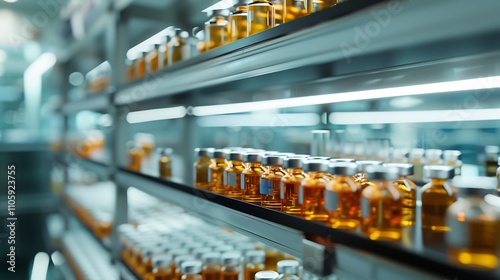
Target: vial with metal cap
pixel 140 65
pixel 230 269
pixel 312 190
pixel 176 45
pixel 381 204
pixel 452 158
pixel 216 171
pixel 288 270
pixel 270 181
pixel 165 162
pixel 135 155
pixel 238 20
pixel 178 261
pixel 474 225
pixel 216 29
pixel 437 196
pixel 254 263
pixel 190 48
pixel 211 266
pixel 409 191
pixel 232 174
pixel 162 267
pixel 250 178
pixel 417 158
pixel 289 185
pixel 261 16
pixel 342 196
pixel 191 270
pixel 361 177
pixel 201 167
pixel 266 275
pixel 163 57
pixel 153 58
pixel 433 157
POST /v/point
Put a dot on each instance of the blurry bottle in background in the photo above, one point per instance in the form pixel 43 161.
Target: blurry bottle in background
pixel 491 160
pixel 416 157
pixel 452 158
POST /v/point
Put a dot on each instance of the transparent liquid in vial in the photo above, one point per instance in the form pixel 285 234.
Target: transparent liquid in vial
pixel 408 190
pixel 250 180
pixel 343 194
pixel 201 172
pixel 238 24
pixel 260 17
pixel 290 191
pixel 216 175
pixel 270 183
pixel 312 196
pixel 216 32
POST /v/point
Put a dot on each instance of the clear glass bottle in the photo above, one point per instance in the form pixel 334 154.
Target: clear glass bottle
pixel 152 59
pixel 232 174
pixel 176 46
pixel 179 260
pixel 211 266
pixel 361 177
pixel 270 181
pixel 163 58
pixel 191 270
pixel 135 155
pixel 250 178
pixel 417 158
pixel 312 190
pixel 409 191
pixel 266 275
pixel 201 167
pixel 260 16
pixel 238 20
pixel 474 224
pixel 165 162
pixel 140 65
pixel 437 196
pixel 288 270
pixel 490 163
pixel 230 269
pixel 254 263
pixel 216 29
pixel 381 204
pixel 451 158
pixel 289 187
pixel 162 268
pixel 433 157
pixel 216 171
pixel 342 196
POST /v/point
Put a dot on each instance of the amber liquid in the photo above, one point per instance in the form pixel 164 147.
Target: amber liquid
pixel 152 61
pixel 272 259
pixel 491 167
pixel 163 59
pixel 323 4
pixel 216 33
pixel 201 173
pixel 251 270
pixel 251 184
pixel 135 158
pixel 260 17
pixel 210 274
pixel 437 196
pixel 130 72
pixel 161 274
pixel 165 167
pixel 483 245
pixel 233 187
pixel 238 24
pixel 140 67
pixel 290 191
pixel 278 12
pixel 409 191
pixel 216 173
pixel 381 212
pixel 347 213
pixel 312 196
pixel 229 275
pixel 272 177
pixel 175 50
pixel 291 10
pixel 148 149
pixel 147 268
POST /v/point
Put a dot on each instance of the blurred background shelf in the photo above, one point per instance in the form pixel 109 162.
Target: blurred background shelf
pixel 99 102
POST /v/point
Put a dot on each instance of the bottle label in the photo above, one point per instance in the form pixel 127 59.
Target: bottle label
pixel 231 179
pixel 301 194
pixel 209 175
pixel 365 207
pixel 282 190
pixel 266 186
pixel 458 236
pixel 224 178
pixel 331 201
pixel 242 182
pixel 250 16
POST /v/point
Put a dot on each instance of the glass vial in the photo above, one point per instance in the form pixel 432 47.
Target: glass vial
pixel 216 29
pixel 266 275
pixel 408 190
pixel 451 158
pixel 437 196
pixel 230 269
pixel 135 155
pixel 176 46
pixel 417 158
pixel 342 196
pixel 254 263
pixel 232 174
pixel 361 177
pixel 399 156
pixel 162 268
pixel 163 58
pixel 211 266
pixel 165 162
pixel 201 167
pixel 320 143
pixel 292 9
pixel 433 157
pixel 288 270
pixel 216 171
pixel 152 59
pixel 179 261
pixel 260 16
pixel 238 20
pixel 140 65
pixel 130 76
pixel 270 181
pixel 381 204
pixel 312 190
pixel 289 186
pixel 250 178
pixel 474 224
pixel 490 163
pixel 191 270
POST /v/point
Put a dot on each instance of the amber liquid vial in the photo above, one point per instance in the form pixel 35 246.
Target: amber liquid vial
pixel 152 59
pixel 342 197
pixel 381 205
pixel 230 269
pixel 289 188
pixel 216 171
pixel 409 191
pixel 135 155
pixel 165 163
pixel 232 175
pixel 211 266
pixel 288 270
pixel 191 270
pixel 312 190
pixel 175 47
pixel 130 70
pixel 254 263
pixel 216 29
pixel 238 21
pixel 250 178
pixel 201 168
pixel 437 196
pixel 270 181
pixel 260 17
pixel 140 66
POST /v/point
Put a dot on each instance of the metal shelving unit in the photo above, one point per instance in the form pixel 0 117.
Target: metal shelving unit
pixel 99 103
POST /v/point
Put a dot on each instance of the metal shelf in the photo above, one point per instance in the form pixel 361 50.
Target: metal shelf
pixel 289 233
pixel 99 102
pixel 331 44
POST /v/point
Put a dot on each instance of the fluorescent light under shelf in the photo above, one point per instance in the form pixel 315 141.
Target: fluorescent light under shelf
pixel 156 114
pixel 260 120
